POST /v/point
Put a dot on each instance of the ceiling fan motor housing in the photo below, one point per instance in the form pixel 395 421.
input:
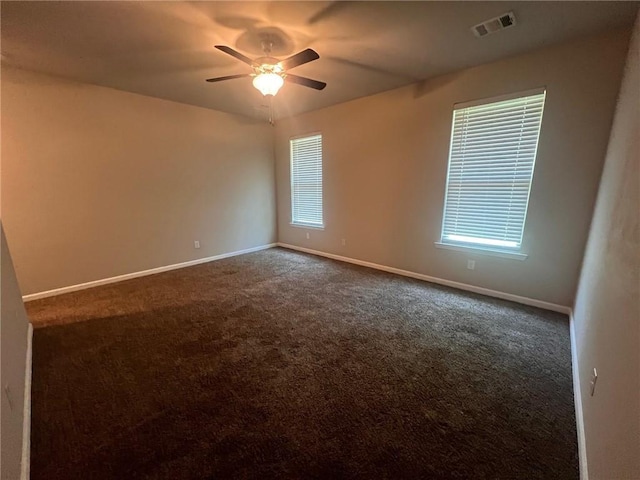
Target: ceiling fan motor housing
pixel 267 65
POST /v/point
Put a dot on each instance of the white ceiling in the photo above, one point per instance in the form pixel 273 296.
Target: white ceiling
pixel 165 49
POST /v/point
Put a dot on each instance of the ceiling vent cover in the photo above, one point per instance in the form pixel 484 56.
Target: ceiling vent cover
pixel 496 24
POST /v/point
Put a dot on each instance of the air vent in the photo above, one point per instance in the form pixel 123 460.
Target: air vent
pixel 496 24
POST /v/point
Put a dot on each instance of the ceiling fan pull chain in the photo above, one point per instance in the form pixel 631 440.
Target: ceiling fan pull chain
pixel 271 120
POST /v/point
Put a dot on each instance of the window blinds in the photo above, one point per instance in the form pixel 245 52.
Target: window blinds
pixel 306 181
pixel 491 161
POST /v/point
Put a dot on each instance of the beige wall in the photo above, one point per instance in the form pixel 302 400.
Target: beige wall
pixel 607 310
pixel 13 339
pixel 97 182
pixel 385 165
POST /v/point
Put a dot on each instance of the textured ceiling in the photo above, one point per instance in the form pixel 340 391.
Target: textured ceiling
pixel 165 49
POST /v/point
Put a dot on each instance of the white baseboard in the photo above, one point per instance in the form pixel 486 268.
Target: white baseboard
pixel 577 401
pixel 441 281
pixel 143 273
pixel 25 463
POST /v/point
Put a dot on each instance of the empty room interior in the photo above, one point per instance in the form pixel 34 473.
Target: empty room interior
pixel 320 240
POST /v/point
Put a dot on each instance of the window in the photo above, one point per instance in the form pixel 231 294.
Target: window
pixel 306 181
pixel 491 160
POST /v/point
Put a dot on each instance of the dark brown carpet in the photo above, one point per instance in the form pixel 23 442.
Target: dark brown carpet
pixel 285 365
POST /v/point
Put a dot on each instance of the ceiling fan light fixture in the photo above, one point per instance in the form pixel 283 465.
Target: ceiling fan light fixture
pixel 268 83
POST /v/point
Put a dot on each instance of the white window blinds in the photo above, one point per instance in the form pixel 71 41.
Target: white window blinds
pixel 491 160
pixel 306 181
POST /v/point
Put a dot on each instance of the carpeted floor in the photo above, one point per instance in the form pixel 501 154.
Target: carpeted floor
pixel 279 364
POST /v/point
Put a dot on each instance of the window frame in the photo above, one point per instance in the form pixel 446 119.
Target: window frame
pixel 477 247
pixel 292 222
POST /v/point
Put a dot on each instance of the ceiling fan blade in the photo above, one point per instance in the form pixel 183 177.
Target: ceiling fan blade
pixel 299 58
pixel 228 77
pixel 307 82
pixel 235 53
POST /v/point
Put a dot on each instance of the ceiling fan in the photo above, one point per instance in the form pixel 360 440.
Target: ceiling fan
pixel 269 73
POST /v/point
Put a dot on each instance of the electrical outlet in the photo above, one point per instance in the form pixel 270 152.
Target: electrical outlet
pixel 471 264
pixel 196 244
pixel 594 379
pixel 308 236
pixel 344 242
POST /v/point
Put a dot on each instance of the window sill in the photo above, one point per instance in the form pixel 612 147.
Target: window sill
pixel 307 225
pixel 482 251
